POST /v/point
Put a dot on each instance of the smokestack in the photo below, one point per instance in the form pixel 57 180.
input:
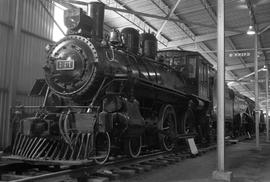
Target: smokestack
pixel 96 12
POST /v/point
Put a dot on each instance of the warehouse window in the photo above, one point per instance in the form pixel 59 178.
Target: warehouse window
pixel 59 18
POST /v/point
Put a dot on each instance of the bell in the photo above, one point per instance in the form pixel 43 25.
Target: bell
pixel 115 37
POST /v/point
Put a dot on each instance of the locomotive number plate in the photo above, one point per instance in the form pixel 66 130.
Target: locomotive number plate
pixel 67 64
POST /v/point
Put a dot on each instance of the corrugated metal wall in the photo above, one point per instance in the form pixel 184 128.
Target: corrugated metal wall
pixel 35 32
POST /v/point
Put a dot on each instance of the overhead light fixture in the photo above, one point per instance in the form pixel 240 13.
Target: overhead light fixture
pixel 264 68
pixel 251 30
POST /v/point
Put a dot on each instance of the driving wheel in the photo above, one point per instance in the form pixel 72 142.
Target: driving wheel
pixel 167 127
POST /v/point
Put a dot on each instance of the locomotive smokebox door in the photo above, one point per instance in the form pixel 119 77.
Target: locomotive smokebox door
pixel 71 68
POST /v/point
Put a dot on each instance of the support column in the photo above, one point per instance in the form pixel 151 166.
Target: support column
pixel 220 173
pixel 266 89
pixel 220 86
pixel 14 61
pixel 257 109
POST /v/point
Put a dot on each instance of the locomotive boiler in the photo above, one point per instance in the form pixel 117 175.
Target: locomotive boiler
pixel 110 95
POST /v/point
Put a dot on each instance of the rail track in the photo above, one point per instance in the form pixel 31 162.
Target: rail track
pixel 116 168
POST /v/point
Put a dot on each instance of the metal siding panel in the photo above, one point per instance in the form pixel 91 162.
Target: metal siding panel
pixel 32 58
pixel 31 53
pixel 36 19
pixel 3 58
pixel 25 100
pixel 5 75
pixel 3 117
pixel 39 23
pixel 32 48
pixel 5 53
pixel 4 10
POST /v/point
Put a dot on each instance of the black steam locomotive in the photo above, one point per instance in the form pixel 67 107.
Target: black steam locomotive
pixel 113 95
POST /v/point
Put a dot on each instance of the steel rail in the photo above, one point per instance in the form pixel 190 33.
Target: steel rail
pixel 85 171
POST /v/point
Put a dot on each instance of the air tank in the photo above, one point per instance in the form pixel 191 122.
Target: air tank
pixel 130 38
pixel 148 43
pixel 96 11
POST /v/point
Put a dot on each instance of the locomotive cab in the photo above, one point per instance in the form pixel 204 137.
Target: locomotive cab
pixel 193 67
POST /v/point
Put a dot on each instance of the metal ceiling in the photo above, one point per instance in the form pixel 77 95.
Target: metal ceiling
pixel 191 25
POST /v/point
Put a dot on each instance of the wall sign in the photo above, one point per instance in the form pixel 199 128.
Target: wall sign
pixel 239 54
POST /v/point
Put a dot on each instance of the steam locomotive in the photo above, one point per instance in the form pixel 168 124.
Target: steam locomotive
pixel 111 95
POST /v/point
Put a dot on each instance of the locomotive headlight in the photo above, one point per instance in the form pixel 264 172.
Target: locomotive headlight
pixel 72 18
pixel 76 19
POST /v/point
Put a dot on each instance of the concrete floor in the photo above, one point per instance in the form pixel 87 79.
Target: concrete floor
pixel 246 163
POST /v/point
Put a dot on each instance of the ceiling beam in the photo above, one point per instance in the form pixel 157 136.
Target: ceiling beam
pixel 250 74
pixel 264 29
pixel 109 5
pixel 72 3
pixel 191 36
pixel 201 47
pixel 199 38
pixel 181 25
pixel 135 19
pixel 66 4
pixel 213 16
pixel 52 17
pixel 250 81
pixel 254 22
pixel 169 16
pixel 242 66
